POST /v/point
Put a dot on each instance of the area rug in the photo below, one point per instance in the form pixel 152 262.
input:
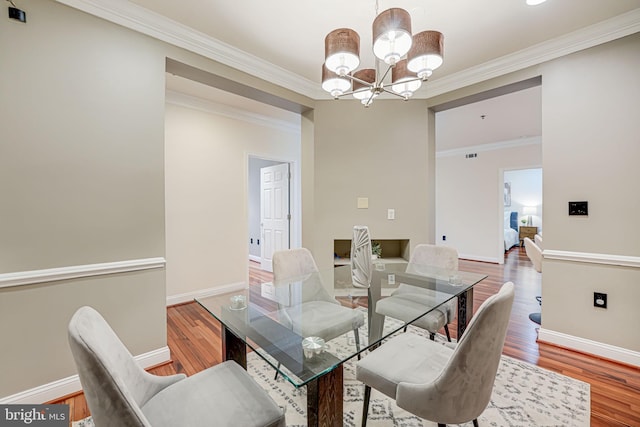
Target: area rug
pixel 524 395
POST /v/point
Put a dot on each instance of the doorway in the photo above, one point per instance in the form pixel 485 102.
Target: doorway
pixel 269 209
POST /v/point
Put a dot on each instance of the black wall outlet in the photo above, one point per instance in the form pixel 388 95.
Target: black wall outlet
pixel 600 300
pixel 578 208
pixel 444 238
pixel 17 14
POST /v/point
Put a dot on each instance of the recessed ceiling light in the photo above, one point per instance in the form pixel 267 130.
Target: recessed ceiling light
pixel 535 2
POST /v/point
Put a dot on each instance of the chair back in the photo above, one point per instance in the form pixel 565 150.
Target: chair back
pixel 290 263
pixel 361 265
pixel 433 255
pixel 113 383
pixel 463 389
pixel 537 239
pixel 534 253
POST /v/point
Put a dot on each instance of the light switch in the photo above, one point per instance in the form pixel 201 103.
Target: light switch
pixel 391 214
pixel 363 203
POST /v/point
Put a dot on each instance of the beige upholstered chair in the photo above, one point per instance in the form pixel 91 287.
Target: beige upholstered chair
pixel 408 302
pixel 537 239
pixel 122 394
pixel 317 314
pixel 435 381
pixel 534 253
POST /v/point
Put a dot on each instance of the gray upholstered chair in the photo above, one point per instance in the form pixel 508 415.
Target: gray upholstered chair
pixel 447 384
pixel 122 394
pixel 408 302
pixel 316 313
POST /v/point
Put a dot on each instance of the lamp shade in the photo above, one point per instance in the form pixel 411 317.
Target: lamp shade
pixel 426 53
pixel 333 83
pixel 342 51
pixel 361 90
pixel 392 35
pixel 403 81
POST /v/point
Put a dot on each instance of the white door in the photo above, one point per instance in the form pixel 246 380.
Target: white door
pixel 274 212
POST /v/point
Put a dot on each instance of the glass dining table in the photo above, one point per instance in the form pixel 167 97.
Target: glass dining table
pixel 275 319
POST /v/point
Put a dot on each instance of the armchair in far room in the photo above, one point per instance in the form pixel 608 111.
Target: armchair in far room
pixel 534 252
pixel 408 302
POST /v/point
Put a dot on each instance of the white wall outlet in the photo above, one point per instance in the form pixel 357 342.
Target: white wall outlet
pixel 391 278
pixel 391 214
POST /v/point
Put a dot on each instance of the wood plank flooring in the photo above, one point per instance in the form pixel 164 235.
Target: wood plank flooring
pixel 194 340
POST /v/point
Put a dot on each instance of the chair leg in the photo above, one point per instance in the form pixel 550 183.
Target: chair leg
pixel 475 423
pixel 442 425
pixel 405 328
pixel 357 335
pixel 446 331
pixel 432 336
pixel 365 406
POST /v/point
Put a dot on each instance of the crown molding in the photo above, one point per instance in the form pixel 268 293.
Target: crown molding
pixel 137 18
pixel 602 32
pixel 533 140
pixel 189 101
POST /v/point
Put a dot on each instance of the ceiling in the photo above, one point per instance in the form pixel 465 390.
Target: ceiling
pixel 479 35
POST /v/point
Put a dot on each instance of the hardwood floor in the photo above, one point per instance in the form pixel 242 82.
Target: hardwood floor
pixel 194 340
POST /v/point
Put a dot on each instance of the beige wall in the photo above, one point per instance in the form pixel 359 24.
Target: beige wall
pixel 382 153
pixel 82 182
pixel 206 194
pixel 469 198
pixel 591 147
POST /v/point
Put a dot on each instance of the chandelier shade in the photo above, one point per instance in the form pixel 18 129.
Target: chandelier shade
pixel 342 51
pixel 363 81
pixel 426 53
pixel 392 35
pixel 404 82
pixel 333 83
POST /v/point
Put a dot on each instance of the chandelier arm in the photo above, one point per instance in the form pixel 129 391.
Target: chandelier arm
pixel 385 74
pixel 394 93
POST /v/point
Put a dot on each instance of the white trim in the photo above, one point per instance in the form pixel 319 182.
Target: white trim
pixel 479 258
pixel 513 143
pixel 255 258
pixel 591 258
pixel 66 386
pixel 144 21
pixel 188 101
pixel 137 18
pixel 585 38
pixel 190 296
pixel 607 351
pixel 21 278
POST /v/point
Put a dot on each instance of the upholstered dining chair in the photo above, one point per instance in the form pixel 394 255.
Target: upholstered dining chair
pixel 122 394
pixel 317 313
pixel 537 239
pixel 534 252
pixel 447 384
pixel 408 302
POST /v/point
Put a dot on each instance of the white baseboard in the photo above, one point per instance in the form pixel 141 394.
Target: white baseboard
pixel 479 258
pixel 255 258
pixel 583 345
pixel 66 386
pixel 190 296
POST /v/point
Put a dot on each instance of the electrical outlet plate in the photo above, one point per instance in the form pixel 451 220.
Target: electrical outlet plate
pixel 600 300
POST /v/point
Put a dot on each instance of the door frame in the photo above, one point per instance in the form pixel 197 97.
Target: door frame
pixel 295 199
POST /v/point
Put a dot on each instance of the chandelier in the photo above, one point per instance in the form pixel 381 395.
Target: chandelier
pixel 410 59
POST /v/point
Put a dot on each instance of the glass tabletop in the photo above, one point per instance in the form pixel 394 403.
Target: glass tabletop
pixel 306 326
